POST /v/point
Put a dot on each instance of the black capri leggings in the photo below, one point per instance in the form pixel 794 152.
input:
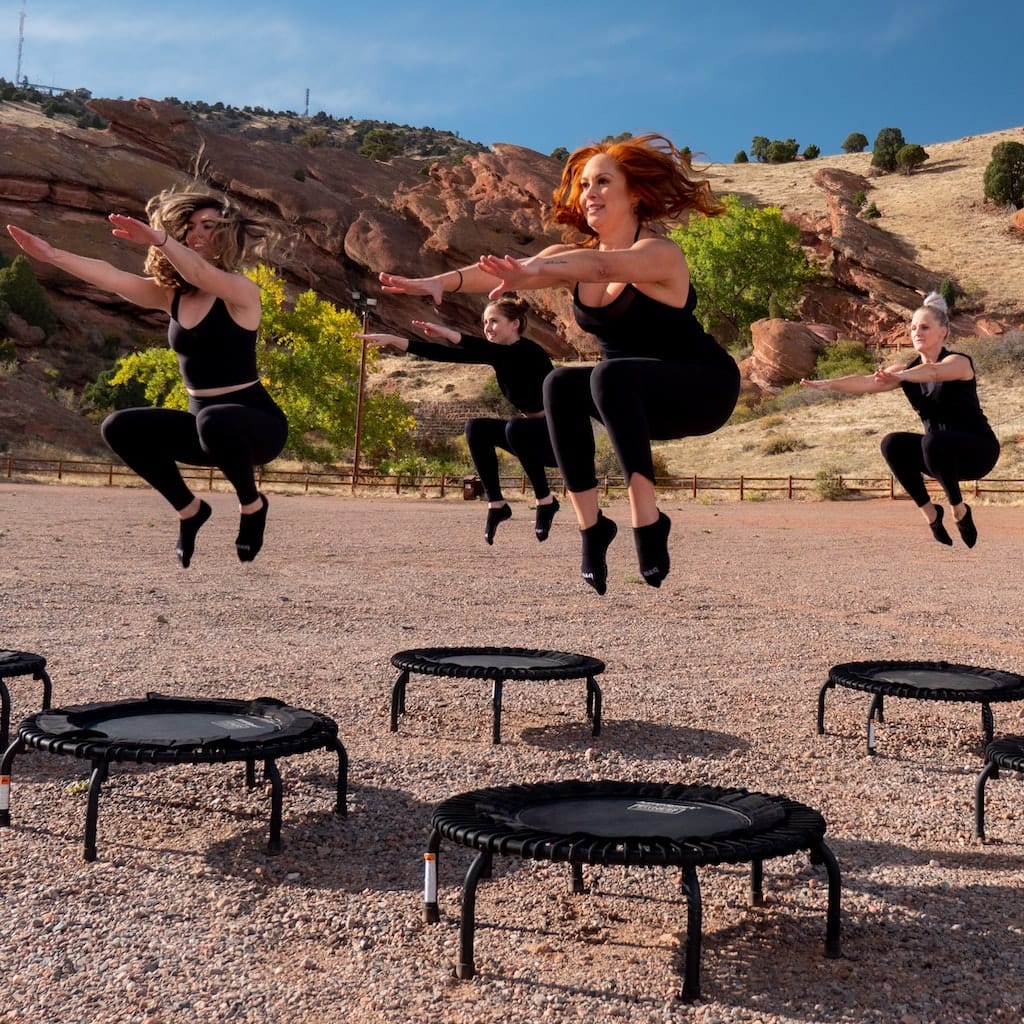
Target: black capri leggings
pixel 948 456
pixel 234 432
pixel 526 437
pixel 639 400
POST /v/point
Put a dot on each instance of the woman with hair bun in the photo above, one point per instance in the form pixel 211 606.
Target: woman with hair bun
pixel 520 366
pixel 197 242
pixel 957 444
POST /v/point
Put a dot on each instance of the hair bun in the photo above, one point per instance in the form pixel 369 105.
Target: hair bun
pixel 933 300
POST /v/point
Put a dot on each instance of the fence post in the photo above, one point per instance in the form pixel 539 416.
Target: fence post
pixel 695 485
pixel 741 487
pixel 442 484
pixel 789 489
pixel 60 469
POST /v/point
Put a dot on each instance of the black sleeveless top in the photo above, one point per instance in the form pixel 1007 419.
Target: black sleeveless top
pixel 634 324
pixel 947 404
pixel 520 368
pixel 216 353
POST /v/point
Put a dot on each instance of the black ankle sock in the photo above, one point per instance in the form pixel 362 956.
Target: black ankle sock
pixel 939 532
pixel 968 531
pixel 496 516
pixel 545 513
pixel 250 532
pixel 652 549
pixel 596 541
pixel 187 531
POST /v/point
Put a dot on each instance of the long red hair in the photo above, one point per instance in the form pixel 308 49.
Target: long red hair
pixel 659 177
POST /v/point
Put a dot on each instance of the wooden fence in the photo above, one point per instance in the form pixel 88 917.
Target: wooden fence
pixel 326 481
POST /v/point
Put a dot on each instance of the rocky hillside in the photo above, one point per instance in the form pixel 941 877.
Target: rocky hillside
pixel 346 217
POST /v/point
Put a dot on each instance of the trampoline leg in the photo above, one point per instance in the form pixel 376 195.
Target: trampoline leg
pixel 398 698
pixel 5 779
pixel 5 713
pixel 496 702
pixel 270 772
pixel 431 915
pixel 341 805
pixel 100 771
pixel 694 926
pixel 250 774
pixel 594 704
pixel 821 705
pixel 987 724
pixel 47 687
pixel 990 771
pixel 466 967
pixel 875 711
pixel 577 878
pixel 821 854
pixel 757 883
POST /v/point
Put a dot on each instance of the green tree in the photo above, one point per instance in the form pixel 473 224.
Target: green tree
pixel 741 157
pixel 780 152
pixel 743 263
pixel 560 153
pixel 759 148
pixel 379 144
pixel 24 295
pixel 812 152
pixel 155 370
pixel 888 143
pixel 1004 175
pixel 855 142
pixel 910 156
pixel 309 359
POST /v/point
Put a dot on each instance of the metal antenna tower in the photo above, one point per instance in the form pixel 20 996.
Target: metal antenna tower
pixel 21 42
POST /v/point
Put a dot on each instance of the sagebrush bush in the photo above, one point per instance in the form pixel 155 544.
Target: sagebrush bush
pixel 779 444
pixel 1000 356
pixel 829 484
pixel 20 290
pixel 844 358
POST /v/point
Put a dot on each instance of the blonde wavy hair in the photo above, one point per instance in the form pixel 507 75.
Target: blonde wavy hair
pixel 235 240
pixel 659 177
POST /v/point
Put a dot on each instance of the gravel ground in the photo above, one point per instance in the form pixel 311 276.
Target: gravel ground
pixel 712 679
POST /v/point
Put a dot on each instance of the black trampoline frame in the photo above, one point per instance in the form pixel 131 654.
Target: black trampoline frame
pixel 855 675
pixel 19 663
pixel 1006 753
pixel 430 661
pixel 484 820
pixel 65 731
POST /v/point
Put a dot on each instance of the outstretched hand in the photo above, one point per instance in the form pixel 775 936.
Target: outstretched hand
pixel 818 385
pixel 394 341
pixel 430 286
pixel 132 230
pixel 436 330
pixel 36 247
pixel 512 274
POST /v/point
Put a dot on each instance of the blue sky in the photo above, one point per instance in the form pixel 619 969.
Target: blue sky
pixel 711 76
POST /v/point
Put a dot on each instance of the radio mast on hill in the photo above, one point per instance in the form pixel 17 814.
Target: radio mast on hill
pixel 21 42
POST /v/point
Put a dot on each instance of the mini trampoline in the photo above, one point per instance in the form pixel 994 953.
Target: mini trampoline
pixel 498 664
pixel 19 663
pixel 160 730
pixel 627 823
pixel 922 680
pixel 1006 753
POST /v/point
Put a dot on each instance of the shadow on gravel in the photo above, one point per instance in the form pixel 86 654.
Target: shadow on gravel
pixel 648 741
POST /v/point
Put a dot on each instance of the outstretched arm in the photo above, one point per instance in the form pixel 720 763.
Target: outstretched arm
pixel 469 279
pixel 656 262
pixel 394 341
pixel 143 291
pixel 858 384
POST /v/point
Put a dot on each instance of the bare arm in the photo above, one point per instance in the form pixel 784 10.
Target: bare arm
pixel 142 291
pixel 654 262
pixel 953 367
pixel 855 384
pixel 470 280
pixel 395 341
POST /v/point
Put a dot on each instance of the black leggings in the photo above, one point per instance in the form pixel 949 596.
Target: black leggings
pixel 639 400
pixel 948 456
pixel 234 432
pixel 525 437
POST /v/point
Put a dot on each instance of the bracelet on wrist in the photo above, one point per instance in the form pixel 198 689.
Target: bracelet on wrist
pixel 160 245
pixel 459 285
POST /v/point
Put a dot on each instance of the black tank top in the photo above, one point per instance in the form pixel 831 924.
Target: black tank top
pixel 216 353
pixel 947 404
pixel 634 324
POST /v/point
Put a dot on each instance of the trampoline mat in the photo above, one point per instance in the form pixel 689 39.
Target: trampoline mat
pixel 624 817
pixel 20 660
pixel 497 662
pixel 927 678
